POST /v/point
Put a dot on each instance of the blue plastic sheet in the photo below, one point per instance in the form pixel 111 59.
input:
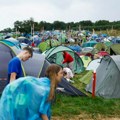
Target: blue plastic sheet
pixel 25 99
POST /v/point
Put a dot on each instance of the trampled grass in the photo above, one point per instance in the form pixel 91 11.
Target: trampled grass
pixel 72 108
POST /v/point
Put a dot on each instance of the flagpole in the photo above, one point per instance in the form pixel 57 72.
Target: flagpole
pixel 33 29
pixel 16 33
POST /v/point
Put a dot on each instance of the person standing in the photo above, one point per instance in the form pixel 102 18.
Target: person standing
pixel 30 98
pixel 68 59
pixel 15 67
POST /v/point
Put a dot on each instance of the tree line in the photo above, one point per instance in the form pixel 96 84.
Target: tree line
pixel 27 26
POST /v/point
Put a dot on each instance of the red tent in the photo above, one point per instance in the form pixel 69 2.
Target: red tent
pixel 103 53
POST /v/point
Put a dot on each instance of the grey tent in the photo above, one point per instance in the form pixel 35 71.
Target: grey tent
pixel 6 54
pixel 36 66
pixel 68 89
pixel 107 78
pixel 33 67
pixel 54 55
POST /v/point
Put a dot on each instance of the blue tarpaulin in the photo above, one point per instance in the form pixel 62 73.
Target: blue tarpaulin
pixel 25 99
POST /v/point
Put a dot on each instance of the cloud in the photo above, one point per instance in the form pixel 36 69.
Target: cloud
pixel 61 10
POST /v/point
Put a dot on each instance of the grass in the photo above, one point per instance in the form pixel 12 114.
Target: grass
pixel 84 108
pixel 73 108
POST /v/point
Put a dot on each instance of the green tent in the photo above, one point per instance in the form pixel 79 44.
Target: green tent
pixel 114 49
pixel 99 46
pixel 48 44
pixel 107 43
pixel 54 55
pixel 62 38
pixel 104 45
pixel 86 60
pixel 1 36
pixel 87 77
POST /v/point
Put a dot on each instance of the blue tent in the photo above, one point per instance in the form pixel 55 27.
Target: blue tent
pixel 11 42
pixel 116 40
pixel 89 44
pixel 76 48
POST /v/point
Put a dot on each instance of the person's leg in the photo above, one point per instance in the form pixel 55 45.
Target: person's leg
pixel 70 65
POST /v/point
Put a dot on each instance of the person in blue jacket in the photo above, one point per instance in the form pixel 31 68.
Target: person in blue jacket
pixel 15 67
pixel 29 98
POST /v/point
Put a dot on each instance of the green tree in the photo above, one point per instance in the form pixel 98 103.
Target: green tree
pixel 102 22
pixel 58 25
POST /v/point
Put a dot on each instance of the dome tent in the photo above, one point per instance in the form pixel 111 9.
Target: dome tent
pixel 7 53
pixel 54 55
pixel 89 44
pixel 107 78
pixel 48 44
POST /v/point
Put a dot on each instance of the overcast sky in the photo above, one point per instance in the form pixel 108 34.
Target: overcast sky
pixel 61 10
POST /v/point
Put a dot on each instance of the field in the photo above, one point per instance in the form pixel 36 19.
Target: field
pixel 85 108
